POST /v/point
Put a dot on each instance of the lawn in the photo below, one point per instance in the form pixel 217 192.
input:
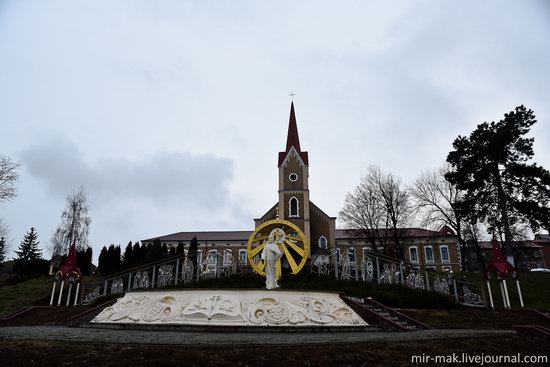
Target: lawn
pixel 31 292
pixel 534 286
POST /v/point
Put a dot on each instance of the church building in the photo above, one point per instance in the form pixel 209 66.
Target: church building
pixel 423 249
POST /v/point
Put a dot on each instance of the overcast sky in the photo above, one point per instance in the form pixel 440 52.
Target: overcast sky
pixel 171 113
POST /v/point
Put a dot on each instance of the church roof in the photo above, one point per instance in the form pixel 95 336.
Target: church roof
pixel 242 236
pixel 343 234
pixel 487 245
pixel 214 236
pixel 292 139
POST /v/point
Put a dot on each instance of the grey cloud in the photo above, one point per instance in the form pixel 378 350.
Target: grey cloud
pixel 169 179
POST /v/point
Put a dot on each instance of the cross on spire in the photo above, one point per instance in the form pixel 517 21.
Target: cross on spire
pixel 292 94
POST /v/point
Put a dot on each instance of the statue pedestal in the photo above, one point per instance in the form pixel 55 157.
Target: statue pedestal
pixel 230 308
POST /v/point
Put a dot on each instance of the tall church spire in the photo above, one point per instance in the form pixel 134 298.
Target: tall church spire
pixel 292 139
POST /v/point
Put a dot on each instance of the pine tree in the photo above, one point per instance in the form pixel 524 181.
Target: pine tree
pixel 180 250
pixel 28 250
pixel 84 261
pixel 172 251
pixel 494 168
pixel 136 258
pixel 103 262
pixel 192 254
pixel 127 263
pixel 154 252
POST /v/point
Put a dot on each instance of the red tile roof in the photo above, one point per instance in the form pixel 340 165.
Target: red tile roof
pixel 487 245
pixel 214 236
pixel 242 236
pixel 343 234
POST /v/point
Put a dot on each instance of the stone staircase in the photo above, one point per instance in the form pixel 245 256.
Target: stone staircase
pixel 382 316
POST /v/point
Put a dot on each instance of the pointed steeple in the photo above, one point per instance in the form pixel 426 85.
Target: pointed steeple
pixel 70 266
pixel 292 139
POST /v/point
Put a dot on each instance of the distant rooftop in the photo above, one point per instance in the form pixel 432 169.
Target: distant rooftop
pixel 242 236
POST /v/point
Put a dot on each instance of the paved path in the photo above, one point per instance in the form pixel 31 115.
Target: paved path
pixel 85 335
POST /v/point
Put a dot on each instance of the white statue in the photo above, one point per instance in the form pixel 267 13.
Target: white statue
pixel 270 254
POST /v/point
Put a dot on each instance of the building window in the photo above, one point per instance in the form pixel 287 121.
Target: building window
pixel 444 250
pixel 322 243
pixel 351 254
pixel 293 177
pixel 199 257
pixel 293 207
pixel 413 254
pixel 338 255
pixel 242 256
pixel 429 254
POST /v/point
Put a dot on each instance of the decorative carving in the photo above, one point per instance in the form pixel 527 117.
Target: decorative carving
pixel 226 307
pixel 367 269
pixel 470 297
pixel 415 280
pixel 165 275
pixel 187 271
pixel 117 286
pixel 91 297
pixel 441 286
pixel 346 269
pixel 390 274
pixel 321 263
pixel 141 280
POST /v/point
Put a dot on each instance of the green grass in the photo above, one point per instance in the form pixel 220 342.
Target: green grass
pixel 27 293
pixel 535 288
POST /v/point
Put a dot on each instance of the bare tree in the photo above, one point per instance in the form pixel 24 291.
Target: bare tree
pixel 4 245
pixel 471 234
pixel 74 226
pixel 364 214
pixel 435 202
pixel 378 207
pixel 8 178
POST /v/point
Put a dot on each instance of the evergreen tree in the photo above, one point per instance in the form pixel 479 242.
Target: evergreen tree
pixel 103 262
pixel 136 252
pixel 172 251
pixel 84 261
pixel 180 250
pixel 501 188
pixel 154 252
pixel 87 264
pixel 113 259
pixel 164 250
pixel 192 254
pixel 128 256
pixel 28 250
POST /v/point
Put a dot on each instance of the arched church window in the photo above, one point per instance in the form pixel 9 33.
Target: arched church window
pixel 293 207
pixel 322 243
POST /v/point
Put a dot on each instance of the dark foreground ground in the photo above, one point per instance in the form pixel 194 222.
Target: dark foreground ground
pixel 55 353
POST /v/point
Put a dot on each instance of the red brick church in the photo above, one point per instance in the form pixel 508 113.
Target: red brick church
pixel 423 248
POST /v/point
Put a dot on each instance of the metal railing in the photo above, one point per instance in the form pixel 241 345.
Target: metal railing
pixel 383 269
pixel 171 271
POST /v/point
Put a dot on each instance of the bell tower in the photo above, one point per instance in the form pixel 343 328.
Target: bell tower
pixel 293 165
